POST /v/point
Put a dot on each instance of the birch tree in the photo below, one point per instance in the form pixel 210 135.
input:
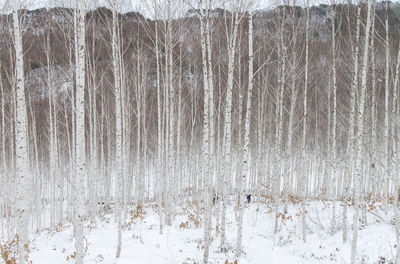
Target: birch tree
pixel 304 132
pixel 360 134
pixel 387 113
pixel 334 118
pixel 293 99
pixel 81 163
pixel 206 159
pixel 351 137
pixel 279 111
pixel 119 159
pixel 394 148
pixel 231 48
pixel 246 147
pixel 159 118
pixel 21 141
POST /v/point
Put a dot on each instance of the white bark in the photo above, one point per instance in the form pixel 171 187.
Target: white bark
pixel 394 156
pixel 119 157
pixel 334 122
pixel 351 139
pixel 246 147
pixel 293 99
pixel 304 133
pixel 4 175
pixel 282 52
pixel 206 140
pixel 159 128
pixel 81 163
pixel 372 177
pixel 386 143
pixel 171 114
pixel 21 150
pixel 231 47
pixel 359 136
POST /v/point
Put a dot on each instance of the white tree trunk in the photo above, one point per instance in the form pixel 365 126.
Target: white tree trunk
pixel 246 151
pixel 159 128
pixel 293 99
pixel 171 115
pixel 279 109
pixel 351 139
pixel 21 141
pixel 119 153
pixel 206 140
pixel 359 136
pixel 394 156
pixel 373 183
pixel 304 133
pixel 386 143
pixel 81 163
pixel 227 142
pixel 334 122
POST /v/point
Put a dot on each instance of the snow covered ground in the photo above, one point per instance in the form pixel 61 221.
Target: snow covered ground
pixel 182 242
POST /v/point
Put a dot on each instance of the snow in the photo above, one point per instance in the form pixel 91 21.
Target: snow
pixel 143 244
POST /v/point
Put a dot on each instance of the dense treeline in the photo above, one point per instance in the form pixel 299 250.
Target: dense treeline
pixel 123 109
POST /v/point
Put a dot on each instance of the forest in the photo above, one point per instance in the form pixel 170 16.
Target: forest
pixel 204 131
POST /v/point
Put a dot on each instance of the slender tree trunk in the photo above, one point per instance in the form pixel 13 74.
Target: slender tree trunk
pixel 231 39
pixel 334 122
pixel 119 128
pixel 282 52
pixel 372 177
pixel 394 156
pixel 246 147
pixel 206 141
pixel 21 142
pixel 159 128
pixel 351 139
pixel 359 136
pixel 386 124
pixel 304 133
pixel 293 100
pixel 81 162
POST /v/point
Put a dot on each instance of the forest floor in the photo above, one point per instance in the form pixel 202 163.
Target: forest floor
pixel 182 242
